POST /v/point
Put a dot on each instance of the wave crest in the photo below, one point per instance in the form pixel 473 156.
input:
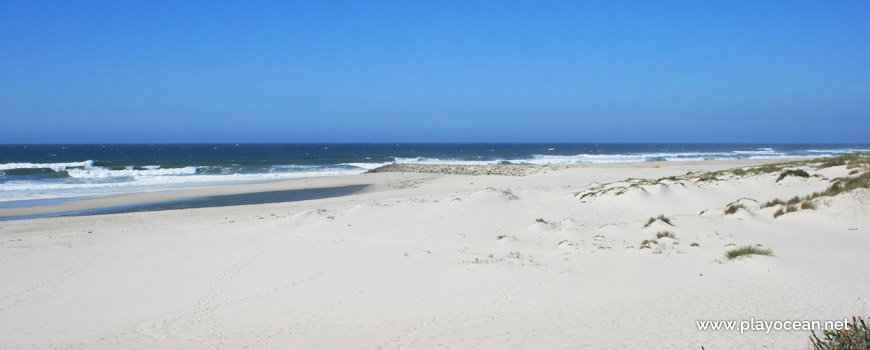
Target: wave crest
pixel 52 166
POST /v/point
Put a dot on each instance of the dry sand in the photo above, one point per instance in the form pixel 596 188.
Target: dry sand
pixel 433 261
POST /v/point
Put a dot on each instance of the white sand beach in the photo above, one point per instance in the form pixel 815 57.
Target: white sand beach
pixel 552 260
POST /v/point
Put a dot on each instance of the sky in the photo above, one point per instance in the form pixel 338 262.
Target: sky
pixel 439 71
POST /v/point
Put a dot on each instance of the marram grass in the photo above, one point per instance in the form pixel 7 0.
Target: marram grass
pixel 747 250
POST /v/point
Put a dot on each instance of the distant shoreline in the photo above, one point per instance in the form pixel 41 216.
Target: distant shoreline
pixel 30 172
pixel 373 180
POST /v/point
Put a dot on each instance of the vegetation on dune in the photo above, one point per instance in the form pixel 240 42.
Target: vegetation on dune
pixel 661 218
pixel 645 244
pixel 855 337
pixel 840 185
pixel 847 184
pixel 771 203
pixel 747 250
pixel 663 234
pixel 859 177
pixel 851 161
pixel 707 177
pixel 733 208
pixel 787 173
pixel 767 168
pixel 836 161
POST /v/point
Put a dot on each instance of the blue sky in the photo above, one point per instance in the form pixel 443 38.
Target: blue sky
pixel 466 71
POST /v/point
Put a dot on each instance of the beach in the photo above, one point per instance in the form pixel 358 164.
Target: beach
pixel 567 256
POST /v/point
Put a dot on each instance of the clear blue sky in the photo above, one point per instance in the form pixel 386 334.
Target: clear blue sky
pixel 465 71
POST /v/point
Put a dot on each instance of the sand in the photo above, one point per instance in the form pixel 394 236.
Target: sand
pixel 434 261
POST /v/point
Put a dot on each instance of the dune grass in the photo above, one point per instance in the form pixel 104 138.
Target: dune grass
pixel 747 250
pixel 836 161
pixel 766 169
pixel 856 336
pixel 645 244
pixel 733 208
pixel 773 202
pixel 787 173
pixel 668 234
pixel 661 218
pixel 852 160
pixel 839 186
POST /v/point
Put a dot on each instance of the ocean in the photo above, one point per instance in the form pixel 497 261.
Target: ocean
pixel 30 172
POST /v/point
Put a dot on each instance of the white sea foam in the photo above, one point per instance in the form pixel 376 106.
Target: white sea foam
pixel 295 166
pixel 366 166
pixel 758 151
pixel 839 151
pixel 52 166
pixel 101 173
pixel 547 159
pixel 20 190
pixel 544 159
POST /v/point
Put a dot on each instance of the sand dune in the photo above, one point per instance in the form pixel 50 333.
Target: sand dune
pixel 558 259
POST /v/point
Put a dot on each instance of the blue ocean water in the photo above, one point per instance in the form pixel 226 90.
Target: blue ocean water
pixel 55 171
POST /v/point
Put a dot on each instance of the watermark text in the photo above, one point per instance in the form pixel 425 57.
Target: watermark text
pixel 767 326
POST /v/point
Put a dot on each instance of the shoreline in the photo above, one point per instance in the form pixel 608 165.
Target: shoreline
pixel 139 198
pixel 227 200
pixel 62 205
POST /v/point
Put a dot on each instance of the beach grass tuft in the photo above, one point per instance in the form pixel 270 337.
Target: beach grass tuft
pixel 663 234
pixel 747 250
pixel 778 212
pixel 733 208
pixel 645 244
pixel 787 173
pixel 773 202
pixel 855 336
pixel 661 218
